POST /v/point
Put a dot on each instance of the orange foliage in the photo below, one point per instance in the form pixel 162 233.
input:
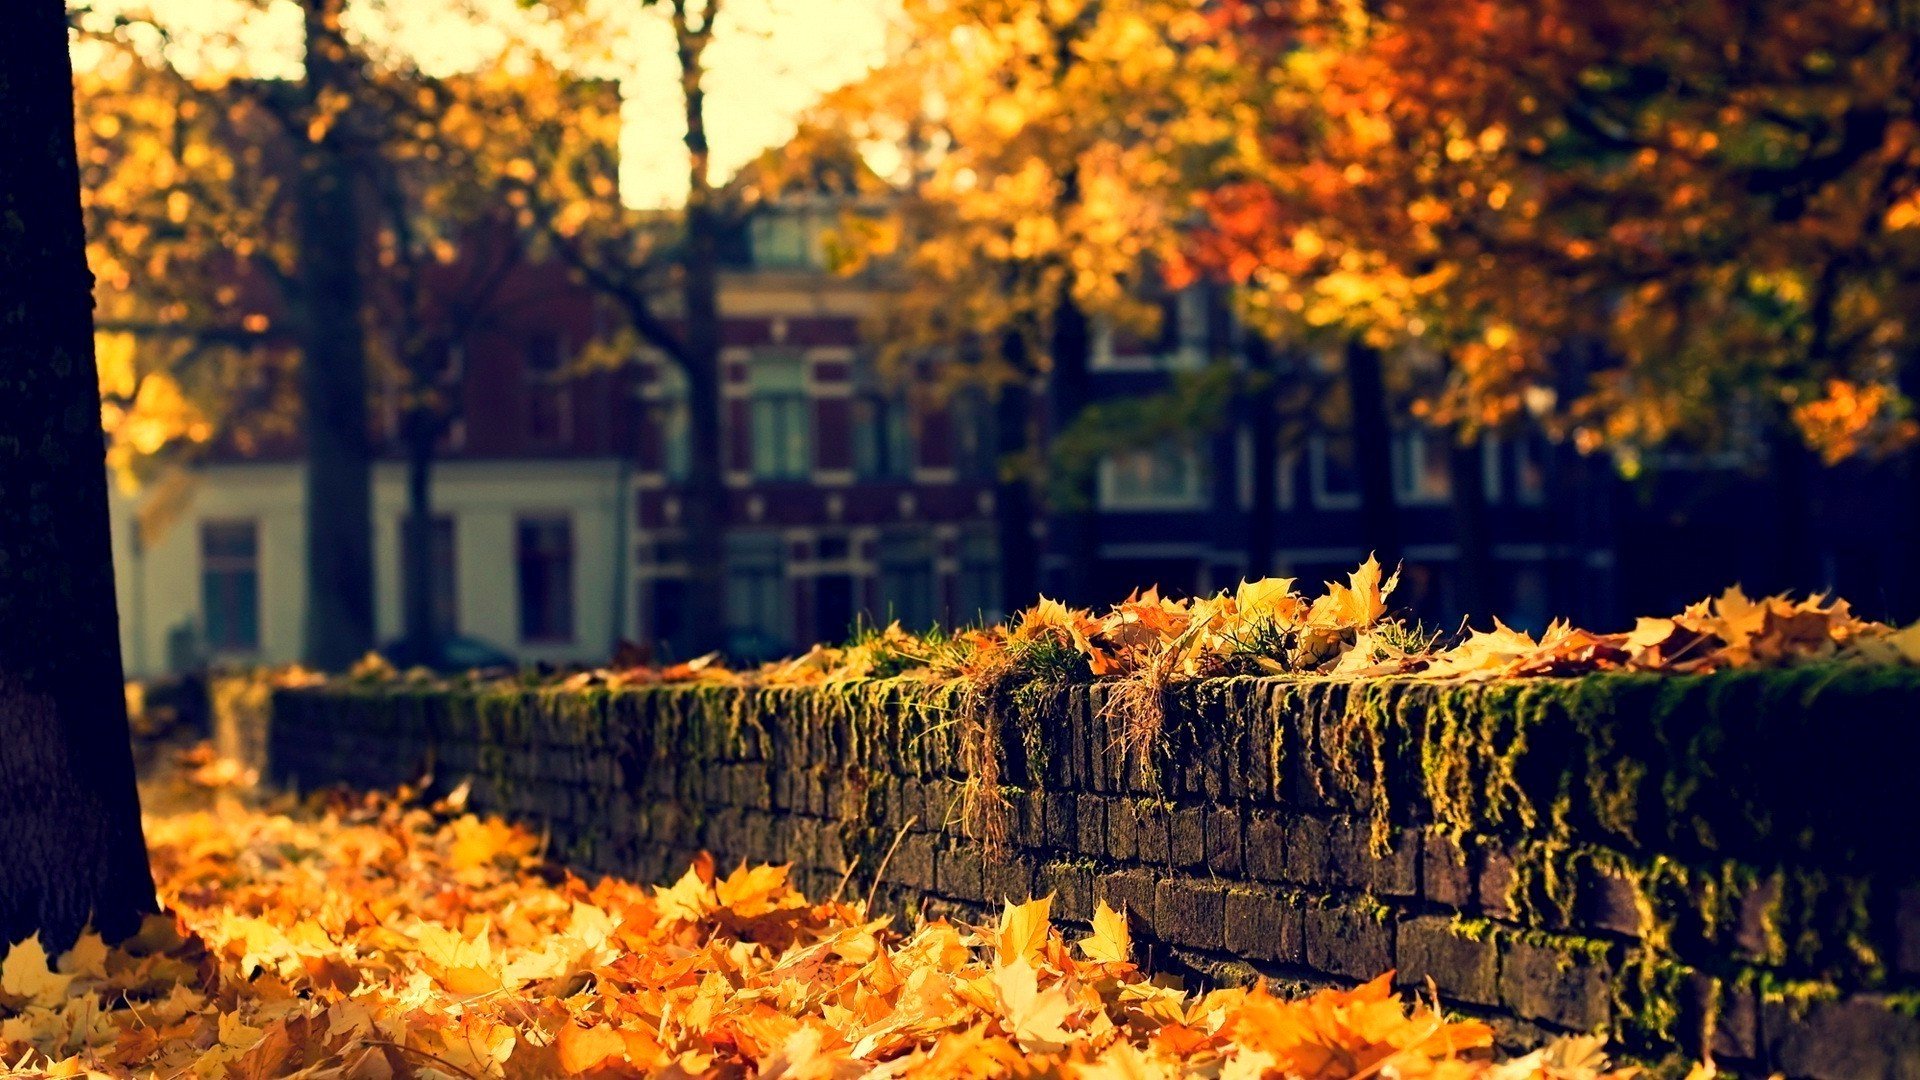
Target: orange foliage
pixel 383 938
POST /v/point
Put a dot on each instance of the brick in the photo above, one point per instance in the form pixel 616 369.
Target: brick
pixel 1609 901
pixel 1265 925
pixel 1444 875
pixel 1187 848
pixel 1836 1040
pixel 1090 826
pixel 1130 892
pixel 1057 815
pixel 1123 830
pixel 1223 843
pixel 1347 940
pixel 1756 918
pixel 1151 833
pixel 1463 963
pixel 1556 983
pixel 1353 861
pixel 1723 1020
pixel 958 873
pixel 1266 846
pixel 1007 878
pixel 912 862
pixel 1191 913
pixel 1072 889
pixel 1494 882
pixel 1307 856
pixel 1906 923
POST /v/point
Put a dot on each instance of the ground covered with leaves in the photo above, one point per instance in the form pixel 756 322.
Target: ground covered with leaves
pixel 383 937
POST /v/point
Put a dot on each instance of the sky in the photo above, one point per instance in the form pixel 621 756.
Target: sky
pixel 770 60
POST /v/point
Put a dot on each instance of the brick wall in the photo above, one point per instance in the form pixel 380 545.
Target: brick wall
pixel 1722 864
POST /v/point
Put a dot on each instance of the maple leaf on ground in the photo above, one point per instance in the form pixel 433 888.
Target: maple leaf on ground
pixel 1111 942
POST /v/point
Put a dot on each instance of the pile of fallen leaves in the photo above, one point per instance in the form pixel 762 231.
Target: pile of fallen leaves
pixel 1349 630
pixel 383 938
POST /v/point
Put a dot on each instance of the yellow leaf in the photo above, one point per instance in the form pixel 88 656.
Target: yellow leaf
pixel 26 974
pixel 1023 930
pixel 1111 941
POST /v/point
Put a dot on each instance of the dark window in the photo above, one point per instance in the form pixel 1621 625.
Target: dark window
pixel 667 617
pixel 978 587
pixel 756 595
pixel 545 559
pixel 882 436
pixel 230 585
pixel 442 574
pixel 971 413
pixel 779 412
pixel 548 406
pixel 833 607
pixel 672 421
pixel 906 582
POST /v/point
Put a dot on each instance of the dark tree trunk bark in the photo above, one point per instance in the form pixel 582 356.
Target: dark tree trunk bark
pixel 1073 540
pixel 1013 504
pixel 340 627
pixel 704 513
pixel 1473 565
pixel 420 630
pixel 71 852
pixel 1263 428
pixel 704 508
pixel 1373 453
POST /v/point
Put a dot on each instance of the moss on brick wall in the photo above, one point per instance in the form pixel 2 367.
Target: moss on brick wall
pixel 1695 864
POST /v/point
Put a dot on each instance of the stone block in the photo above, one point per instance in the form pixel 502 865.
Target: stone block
pixel 1348 939
pixel 1560 983
pixel 1463 961
pixel 1190 913
pixel 1264 924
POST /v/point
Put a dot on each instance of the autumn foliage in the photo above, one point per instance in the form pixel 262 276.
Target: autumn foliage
pixel 383 937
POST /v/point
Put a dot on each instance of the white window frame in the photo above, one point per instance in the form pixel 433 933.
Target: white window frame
pixel 1323 497
pixel 1114 494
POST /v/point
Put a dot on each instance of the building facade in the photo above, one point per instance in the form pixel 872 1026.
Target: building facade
pixel 855 494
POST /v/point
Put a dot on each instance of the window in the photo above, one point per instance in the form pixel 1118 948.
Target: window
pixel 1423 471
pixel 975 454
pixel 230 585
pixel 545 558
pixel 757 620
pixel 1168 477
pixel 1188 313
pixel 1336 478
pixel 548 407
pixel 882 435
pixel 783 240
pixel 778 408
pixel 1530 469
pixel 978 587
pixel 672 423
pixel 441 573
pixel 906 581
pixel 665 602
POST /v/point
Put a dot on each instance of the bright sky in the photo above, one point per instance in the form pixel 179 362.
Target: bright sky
pixel 769 61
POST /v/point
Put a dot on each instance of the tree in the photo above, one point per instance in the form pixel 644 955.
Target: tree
pixel 1041 145
pixel 660 270
pixel 71 851
pixel 226 205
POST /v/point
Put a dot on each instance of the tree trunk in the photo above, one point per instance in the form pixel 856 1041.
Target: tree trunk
pixel 1263 429
pixel 71 851
pixel 1013 505
pixel 1473 566
pixel 704 512
pixel 421 632
pixel 340 626
pixel 1373 452
pixel 1072 530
